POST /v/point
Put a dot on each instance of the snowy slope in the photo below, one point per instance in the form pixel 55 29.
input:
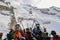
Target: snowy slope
pixel 47 17
pixel 52 17
pixel 4 20
pixel 50 20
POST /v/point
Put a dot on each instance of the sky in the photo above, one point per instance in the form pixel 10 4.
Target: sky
pixel 38 3
pixel 43 3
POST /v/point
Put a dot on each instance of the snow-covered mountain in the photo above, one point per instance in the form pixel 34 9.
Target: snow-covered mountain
pixel 47 17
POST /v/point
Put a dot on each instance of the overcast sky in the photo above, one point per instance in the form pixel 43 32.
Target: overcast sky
pixel 43 3
pixel 38 3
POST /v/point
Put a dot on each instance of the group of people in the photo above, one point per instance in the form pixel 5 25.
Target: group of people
pixel 30 34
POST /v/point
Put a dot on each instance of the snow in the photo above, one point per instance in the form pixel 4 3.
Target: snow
pixel 50 21
pixel 1 3
pixel 4 20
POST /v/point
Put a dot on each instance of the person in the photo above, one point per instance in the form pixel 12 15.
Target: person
pixel 5 39
pixel 37 32
pixel 17 33
pixel 21 31
pixel 1 34
pixel 29 34
pixel 10 35
pixel 47 37
pixel 44 35
pixel 0 38
pixel 37 29
pixel 39 36
pixel 55 36
pixel 25 34
pixel 22 38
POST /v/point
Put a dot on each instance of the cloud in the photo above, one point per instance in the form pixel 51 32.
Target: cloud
pixel 38 3
pixel 32 2
pixel 27 1
pixel 48 3
pixel 43 3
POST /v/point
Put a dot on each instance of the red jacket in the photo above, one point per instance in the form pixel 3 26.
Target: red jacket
pixel 26 36
pixel 1 34
pixel 56 37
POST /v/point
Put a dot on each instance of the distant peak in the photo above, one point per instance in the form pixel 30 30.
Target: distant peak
pixel 55 7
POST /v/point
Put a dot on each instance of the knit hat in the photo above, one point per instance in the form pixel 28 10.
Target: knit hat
pixel 53 32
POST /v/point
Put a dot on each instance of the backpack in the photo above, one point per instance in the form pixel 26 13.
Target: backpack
pixel 38 37
pixel 22 38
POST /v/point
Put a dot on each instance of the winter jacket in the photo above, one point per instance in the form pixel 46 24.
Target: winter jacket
pixel 1 34
pixel 56 37
pixel 35 31
pixel 0 38
pixel 29 35
pixel 26 36
pixel 17 35
pixel 10 36
pixel 44 36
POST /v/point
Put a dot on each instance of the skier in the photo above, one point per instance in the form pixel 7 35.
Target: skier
pixel 55 36
pixel 1 34
pixel 10 36
pixel 44 34
pixel 47 37
pixel 22 38
pixel 37 32
pixel 17 33
pixel 29 34
pixel 25 34
pixel 37 29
